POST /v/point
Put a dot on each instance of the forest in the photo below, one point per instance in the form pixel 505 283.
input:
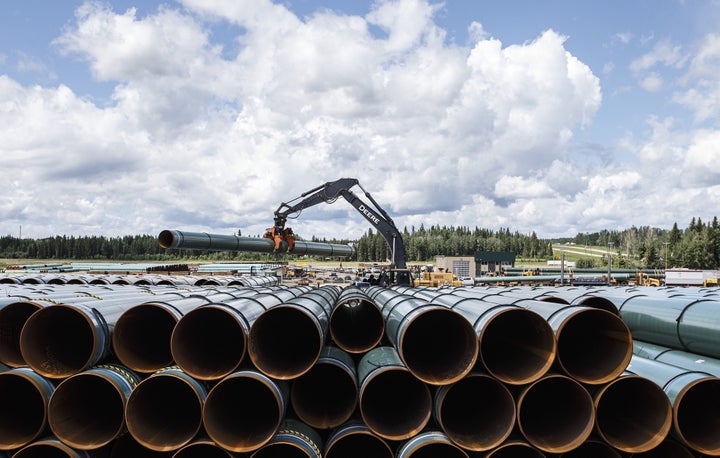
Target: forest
pixel 697 246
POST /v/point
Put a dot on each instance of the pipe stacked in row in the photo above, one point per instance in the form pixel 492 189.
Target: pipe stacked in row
pixel 454 372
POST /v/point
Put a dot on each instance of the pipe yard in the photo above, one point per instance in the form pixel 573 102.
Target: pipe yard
pixel 182 366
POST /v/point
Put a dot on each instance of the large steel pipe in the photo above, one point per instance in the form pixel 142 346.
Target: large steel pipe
pixel 430 444
pixel 50 447
pixel 142 334
pixel 515 345
pixel 683 322
pixel 202 448
pixel 679 358
pixel 669 448
pixel 476 412
pixel 64 339
pixel 555 414
pixel 286 340
pixel 326 396
pixel 438 345
pixel 244 410
pixel 87 410
pixel 594 448
pixel 24 397
pixel 127 446
pixel 219 242
pixel 164 412
pixel 515 447
pixel 294 439
pixel 633 414
pixel 355 440
pixel 594 346
pixel 394 404
pixel 356 322
pixel 210 341
pixel 694 397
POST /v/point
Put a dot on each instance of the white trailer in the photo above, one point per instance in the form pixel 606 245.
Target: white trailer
pixel 689 277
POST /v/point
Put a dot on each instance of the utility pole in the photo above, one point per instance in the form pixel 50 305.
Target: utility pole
pixel 609 261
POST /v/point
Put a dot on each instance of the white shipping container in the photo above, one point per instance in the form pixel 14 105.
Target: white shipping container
pixel 687 277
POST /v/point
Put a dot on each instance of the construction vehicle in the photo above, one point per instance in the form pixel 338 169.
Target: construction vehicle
pixel 643 279
pixel 428 277
pixel 397 274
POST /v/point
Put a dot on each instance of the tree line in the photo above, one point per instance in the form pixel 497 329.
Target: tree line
pixel 697 246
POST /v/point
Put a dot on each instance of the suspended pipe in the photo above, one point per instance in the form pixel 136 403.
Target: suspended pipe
pixel 240 392
pixel 202 448
pixel 142 334
pixel 216 242
pixel 24 397
pixel 164 412
pixel 633 414
pixel 87 410
pixel 210 341
pixel 438 345
pixel 285 341
pixel 515 345
pixel 355 440
pixel 476 412
pixel 294 439
pixel 555 414
pixel 694 397
pixel 326 396
pixel 430 444
pixel 65 339
pixel 679 358
pixel 683 323
pixel 393 403
pixel 356 322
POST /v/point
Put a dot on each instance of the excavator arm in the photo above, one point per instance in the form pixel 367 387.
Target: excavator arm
pixel 329 193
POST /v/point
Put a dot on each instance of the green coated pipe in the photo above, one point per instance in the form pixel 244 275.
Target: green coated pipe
pixel 210 341
pixel 50 447
pixel 476 412
pixel 515 345
pixel 430 444
pixel 264 401
pixel 694 396
pixel 356 321
pixel 326 396
pixel 286 340
pixel 393 403
pixel 171 239
pixel 683 323
pixel 545 424
pixel 24 397
pixel 142 334
pixel 202 448
pixel 437 344
pixel 354 439
pixel 164 411
pixel 294 439
pixel 679 358
pixel 75 406
pixel 633 414
pixel 515 447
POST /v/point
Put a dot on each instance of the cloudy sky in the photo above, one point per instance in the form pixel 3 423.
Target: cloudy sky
pixel 559 117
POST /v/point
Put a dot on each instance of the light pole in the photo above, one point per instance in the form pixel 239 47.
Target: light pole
pixel 666 253
pixel 609 261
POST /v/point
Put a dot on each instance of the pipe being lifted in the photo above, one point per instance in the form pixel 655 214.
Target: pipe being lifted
pixel 217 242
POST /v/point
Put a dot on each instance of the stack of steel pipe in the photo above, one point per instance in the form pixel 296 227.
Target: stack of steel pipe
pixel 260 370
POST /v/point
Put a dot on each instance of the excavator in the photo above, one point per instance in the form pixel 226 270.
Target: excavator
pixel 398 274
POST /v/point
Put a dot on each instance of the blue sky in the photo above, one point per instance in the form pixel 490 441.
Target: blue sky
pixel 557 117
